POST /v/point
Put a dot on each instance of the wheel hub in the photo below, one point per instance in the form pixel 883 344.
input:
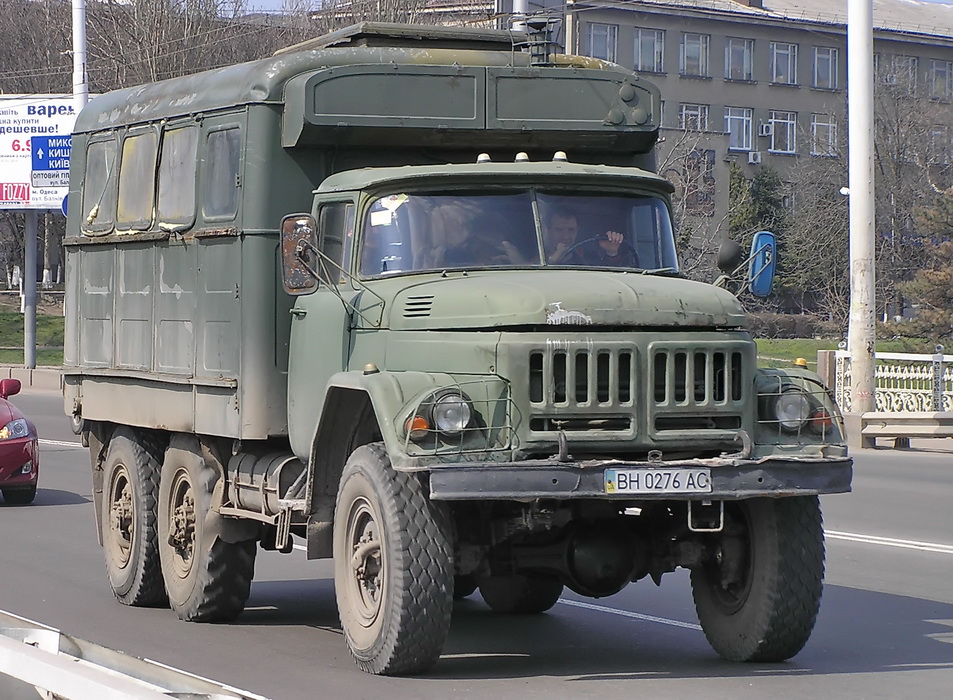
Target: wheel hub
pixel 367 570
pixel 121 517
pixel 182 526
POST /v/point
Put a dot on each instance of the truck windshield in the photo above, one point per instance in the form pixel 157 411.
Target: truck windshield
pixel 413 232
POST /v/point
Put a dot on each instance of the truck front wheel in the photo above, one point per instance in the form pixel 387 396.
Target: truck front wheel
pixel 393 566
pixel 757 597
pixel 128 521
pixel 207 579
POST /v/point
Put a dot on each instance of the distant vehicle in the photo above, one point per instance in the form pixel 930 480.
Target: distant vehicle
pixel 19 457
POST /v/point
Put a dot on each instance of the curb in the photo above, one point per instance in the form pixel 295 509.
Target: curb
pixel 41 378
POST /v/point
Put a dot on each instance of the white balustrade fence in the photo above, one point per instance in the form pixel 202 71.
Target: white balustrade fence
pixel 904 382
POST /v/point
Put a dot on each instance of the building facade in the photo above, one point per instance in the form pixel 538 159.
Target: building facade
pixel 765 84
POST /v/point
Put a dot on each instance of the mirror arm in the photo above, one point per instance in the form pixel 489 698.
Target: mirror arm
pixel 327 264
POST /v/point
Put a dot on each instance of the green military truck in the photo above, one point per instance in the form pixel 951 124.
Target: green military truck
pixel 410 296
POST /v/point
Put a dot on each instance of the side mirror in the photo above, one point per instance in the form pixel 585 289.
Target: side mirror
pixel 9 387
pixel 299 255
pixel 762 263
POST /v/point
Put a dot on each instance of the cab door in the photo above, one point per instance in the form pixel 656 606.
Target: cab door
pixel 321 321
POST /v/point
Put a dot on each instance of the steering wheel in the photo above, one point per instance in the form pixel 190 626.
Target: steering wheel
pixel 596 239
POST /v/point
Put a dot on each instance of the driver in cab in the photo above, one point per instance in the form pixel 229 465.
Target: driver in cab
pixel 560 240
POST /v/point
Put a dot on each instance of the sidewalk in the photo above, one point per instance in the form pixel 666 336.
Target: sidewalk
pixel 42 378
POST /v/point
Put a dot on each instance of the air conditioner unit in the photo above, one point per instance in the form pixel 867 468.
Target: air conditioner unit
pixel 766 130
pixel 754 157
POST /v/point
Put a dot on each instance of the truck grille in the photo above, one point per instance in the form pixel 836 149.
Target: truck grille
pixel 617 389
pixel 697 388
pixel 581 377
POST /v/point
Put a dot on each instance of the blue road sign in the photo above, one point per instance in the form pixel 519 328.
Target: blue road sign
pixel 50 156
pixel 63 206
pixel 51 152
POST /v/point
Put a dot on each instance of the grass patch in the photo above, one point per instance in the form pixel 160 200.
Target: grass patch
pixel 49 339
pixel 781 352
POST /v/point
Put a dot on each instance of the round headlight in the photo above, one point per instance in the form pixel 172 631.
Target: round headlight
pixel 451 414
pixel 792 409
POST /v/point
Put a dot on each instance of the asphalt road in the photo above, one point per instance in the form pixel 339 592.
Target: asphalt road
pixel 885 628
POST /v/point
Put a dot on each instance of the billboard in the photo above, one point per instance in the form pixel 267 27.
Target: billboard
pixel 35 150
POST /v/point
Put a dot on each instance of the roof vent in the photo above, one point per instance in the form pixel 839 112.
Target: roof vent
pixel 540 42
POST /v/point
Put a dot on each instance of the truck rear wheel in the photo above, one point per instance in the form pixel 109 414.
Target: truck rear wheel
pixel 521 595
pixel 128 522
pixel 207 579
pixel 758 598
pixel 393 566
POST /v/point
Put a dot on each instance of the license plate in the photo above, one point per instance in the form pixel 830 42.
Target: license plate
pixel 658 480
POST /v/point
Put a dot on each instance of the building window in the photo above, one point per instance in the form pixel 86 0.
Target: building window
pixel 783 132
pixel 899 72
pixel 739 55
pixel 940 144
pixel 738 121
pixel 825 68
pixel 823 135
pixel 783 63
pixel 649 50
pixel 941 79
pixel 602 41
pixel 693 117
pixel 693 55
pixel 699 178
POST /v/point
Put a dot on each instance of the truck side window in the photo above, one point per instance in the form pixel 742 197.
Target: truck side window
pixel 221 174
pixel 137 171
pixel 99 187
pixel 336 227
pixel 177 165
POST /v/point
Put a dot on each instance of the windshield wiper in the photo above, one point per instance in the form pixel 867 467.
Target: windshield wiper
pixel 660 271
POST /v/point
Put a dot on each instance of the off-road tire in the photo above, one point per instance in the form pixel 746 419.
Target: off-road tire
pixel 770 613
pixel 128 520
pixel 393 566
pixel 19 497
pixel 207 579
pixel 521 594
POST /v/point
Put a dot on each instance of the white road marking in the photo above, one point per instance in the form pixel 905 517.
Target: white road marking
pixel 633 615
pixel 890 542
pixel 61 443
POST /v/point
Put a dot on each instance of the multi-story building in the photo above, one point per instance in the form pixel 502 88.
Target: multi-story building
pixel 763 83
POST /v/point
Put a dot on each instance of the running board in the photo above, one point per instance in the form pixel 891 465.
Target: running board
pixel 32 654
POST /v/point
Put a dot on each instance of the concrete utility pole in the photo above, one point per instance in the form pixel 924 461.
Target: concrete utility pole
pixel 861 334
pixel 80 84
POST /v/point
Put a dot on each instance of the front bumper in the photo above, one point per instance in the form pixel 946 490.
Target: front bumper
pixel 731 479
pixel 13 455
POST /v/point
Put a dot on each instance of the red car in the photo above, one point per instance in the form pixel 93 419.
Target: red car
pixel 19 456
